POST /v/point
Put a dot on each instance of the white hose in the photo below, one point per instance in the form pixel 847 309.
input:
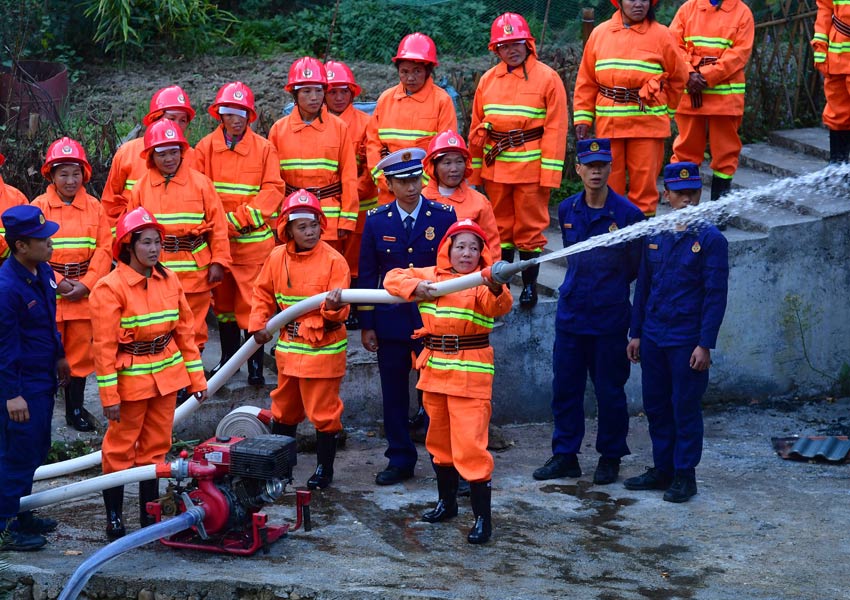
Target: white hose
pixel 242 422
pixel 88 486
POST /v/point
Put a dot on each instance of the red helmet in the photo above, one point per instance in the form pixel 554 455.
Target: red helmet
pixel 463 226
pixel 306 71
pixel 417 47
pixel 135 220
pixel 169 98
pixel 300 201
pixel 339 75
pixel 235 94
pixel 509 27
pixel 443 143
pixel 66 150
pixel 163 133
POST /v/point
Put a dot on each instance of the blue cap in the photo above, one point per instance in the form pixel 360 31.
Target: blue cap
pixel 682 176
pixel 27 221
pixel 403 164
pixel 598 150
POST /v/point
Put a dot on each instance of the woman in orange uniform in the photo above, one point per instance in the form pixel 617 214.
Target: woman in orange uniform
pixel 310 352
pixel 410 113
pixel 195 244
pixel 830 44
pixel 315 151
pixel 9 197
pixel 244 169
pixel 81 256
pixel 140 369
pixel 447 164
pixel 630 81
pixel 457 369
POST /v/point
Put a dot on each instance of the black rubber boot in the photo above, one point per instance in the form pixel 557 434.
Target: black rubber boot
pixel 839 146
pixel 283 429
pixel 446 508
pixel 75 416
pixel 255 367
pixel 528 297
pixel 148 492
pixel 113 500
pixel 719 187
pixel 228 333
pixel 325 454
pixel 508 255
pixel 480 499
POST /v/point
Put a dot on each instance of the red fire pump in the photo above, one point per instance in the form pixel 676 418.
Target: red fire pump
pixel 232 478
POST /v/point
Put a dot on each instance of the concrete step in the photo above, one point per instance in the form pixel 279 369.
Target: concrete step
pixel 812 141
pixel 778 161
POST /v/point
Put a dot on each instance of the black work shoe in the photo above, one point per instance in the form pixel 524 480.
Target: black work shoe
pixel 76 418
pixel 20 541
pixel 607 470
pixel 653 479
pixel 393 475
pixel 443 511
pixel 680 490
pixel 321 478
pixel 27 522
pixel 480 532
pixel 115 526
pixel 560 465
pixel 528 297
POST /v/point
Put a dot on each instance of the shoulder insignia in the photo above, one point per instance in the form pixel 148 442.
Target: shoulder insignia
pixel 372 211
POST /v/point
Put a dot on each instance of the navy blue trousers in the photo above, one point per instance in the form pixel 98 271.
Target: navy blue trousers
pixel 603 357
pixel 395 363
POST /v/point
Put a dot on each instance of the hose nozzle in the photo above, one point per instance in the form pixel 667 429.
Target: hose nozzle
pixel 503 271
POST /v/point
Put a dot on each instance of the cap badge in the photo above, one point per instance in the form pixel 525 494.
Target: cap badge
pixel 406 156
pixel 452 141
pixel 146 219
pixel 330 75
pixel 594 147
pixel 181 99
pixel 429 233
pixel 170 134
pixel 684 174
pixel 308 73
pixel 66 149
pixel 508 29
pixel 237 95
pixel 41 219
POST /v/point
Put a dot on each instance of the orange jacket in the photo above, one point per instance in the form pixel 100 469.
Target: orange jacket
pixel 248 182
pixel 287 277
pixel 402 121
pixel 9 197
pixel 317 154
pixel 525 98
pixel 83 236
pixel 357 121
pixel 831 48
pixel 187 205
pixel 726 33
pixel 467 373
pixel 644 57
pixel 129 307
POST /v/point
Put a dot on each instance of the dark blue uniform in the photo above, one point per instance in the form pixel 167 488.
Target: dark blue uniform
pixel 680 299
pixel 31 347
pixel 385 246
pixel 591 326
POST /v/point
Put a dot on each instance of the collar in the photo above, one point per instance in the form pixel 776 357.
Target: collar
pixel 617 24
pixel 530 62
pixel 181 177
pixel 296 123
pixel 22 272
pixel 414 213
pixel 420 96
pixel 725 6
pixel 220 145
pixel 55 201
pixel 132 277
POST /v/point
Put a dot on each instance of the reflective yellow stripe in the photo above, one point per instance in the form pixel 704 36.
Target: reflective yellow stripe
pixel 453 312
pixel 226 317
pixel 183 266
pixel 104 381
pixel 709 42
pixel 129 184
pixel 180 218
pixel 467 366
pixel 154 318
pixel 85 243
pixel 583 116
pixel 820 37
pixel 298 348
pixel 404 134
pixel 726 89
pixel 532 112
pixel 348 215
pixel 331 212
pixel 295 164
pixel 516 155
pixel 631 110
pixel 154 367
pixel 286 301
pixel 629 65
pixel 194 366
pixel 260 235
pixel 238 189
pixel 551 164
pixel 368 204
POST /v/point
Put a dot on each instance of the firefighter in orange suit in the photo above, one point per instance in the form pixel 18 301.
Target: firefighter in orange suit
pixel 310 352
pixel 81 256
pixel 447 164
pixel 127 167
pixel 716 39
pixel 244 169
pixel 410 113
pixel 830 42
pixel 630 81
pixel 144 351
pixel 457 369
pixel 315 151
pixel 9 196
pixel 518 140
pixel 185 202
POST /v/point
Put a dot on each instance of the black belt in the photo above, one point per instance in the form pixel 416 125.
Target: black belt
pixel 333 189
pixel 452 344
pixel 70 270
pixel 293 327
pixel 510 139
pixel 842 27
pixel 154 346
pixel 623 95
pixel 173 243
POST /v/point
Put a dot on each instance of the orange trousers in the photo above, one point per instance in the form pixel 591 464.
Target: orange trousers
pixel 642 159
pixel 316 398
pixel 522 214
pixel 200 303
pixel 232 297
pixel 458 434
pixel 142 436
pixel 76 339
pixel 836 113
pixel 721 132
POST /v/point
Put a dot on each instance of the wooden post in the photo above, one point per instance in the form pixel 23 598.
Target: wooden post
pixel 587 23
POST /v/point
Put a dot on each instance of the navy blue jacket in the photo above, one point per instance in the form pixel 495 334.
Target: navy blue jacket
pixel 594 297
pixel 29 341
pixel 680 296
pixel 385 247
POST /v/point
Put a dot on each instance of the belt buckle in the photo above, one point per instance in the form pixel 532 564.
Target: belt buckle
pixel 292 329
pixel 72 270
pixel 515 137
pixel 621 94
pixel 453 340
pixel 170 243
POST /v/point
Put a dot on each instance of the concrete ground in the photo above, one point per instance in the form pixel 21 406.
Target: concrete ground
pixel 760 528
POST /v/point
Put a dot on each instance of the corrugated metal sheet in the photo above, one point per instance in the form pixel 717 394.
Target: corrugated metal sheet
pixel 813 447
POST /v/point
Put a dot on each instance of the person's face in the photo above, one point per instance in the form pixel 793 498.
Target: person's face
pixel 167 162
pixel 306 233
pixel 406 191
pixel 450 169
pixel 180 118
pixel 634 11
pixel 68 179
pixel 512 53
pixel 682 198
pixel 35 250
pixel 594 175
pixel 338 99
pixel 144 254
pixel 234 125
pixel 309 101
pixel 465 252
pixel 412 75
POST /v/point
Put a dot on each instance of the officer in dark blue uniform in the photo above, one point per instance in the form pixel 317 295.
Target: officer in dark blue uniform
pixel 680 299
pixel 31 358
pixel 592 321
pixel 404 233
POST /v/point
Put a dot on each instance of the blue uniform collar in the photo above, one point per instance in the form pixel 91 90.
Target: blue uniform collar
pixel 415 213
